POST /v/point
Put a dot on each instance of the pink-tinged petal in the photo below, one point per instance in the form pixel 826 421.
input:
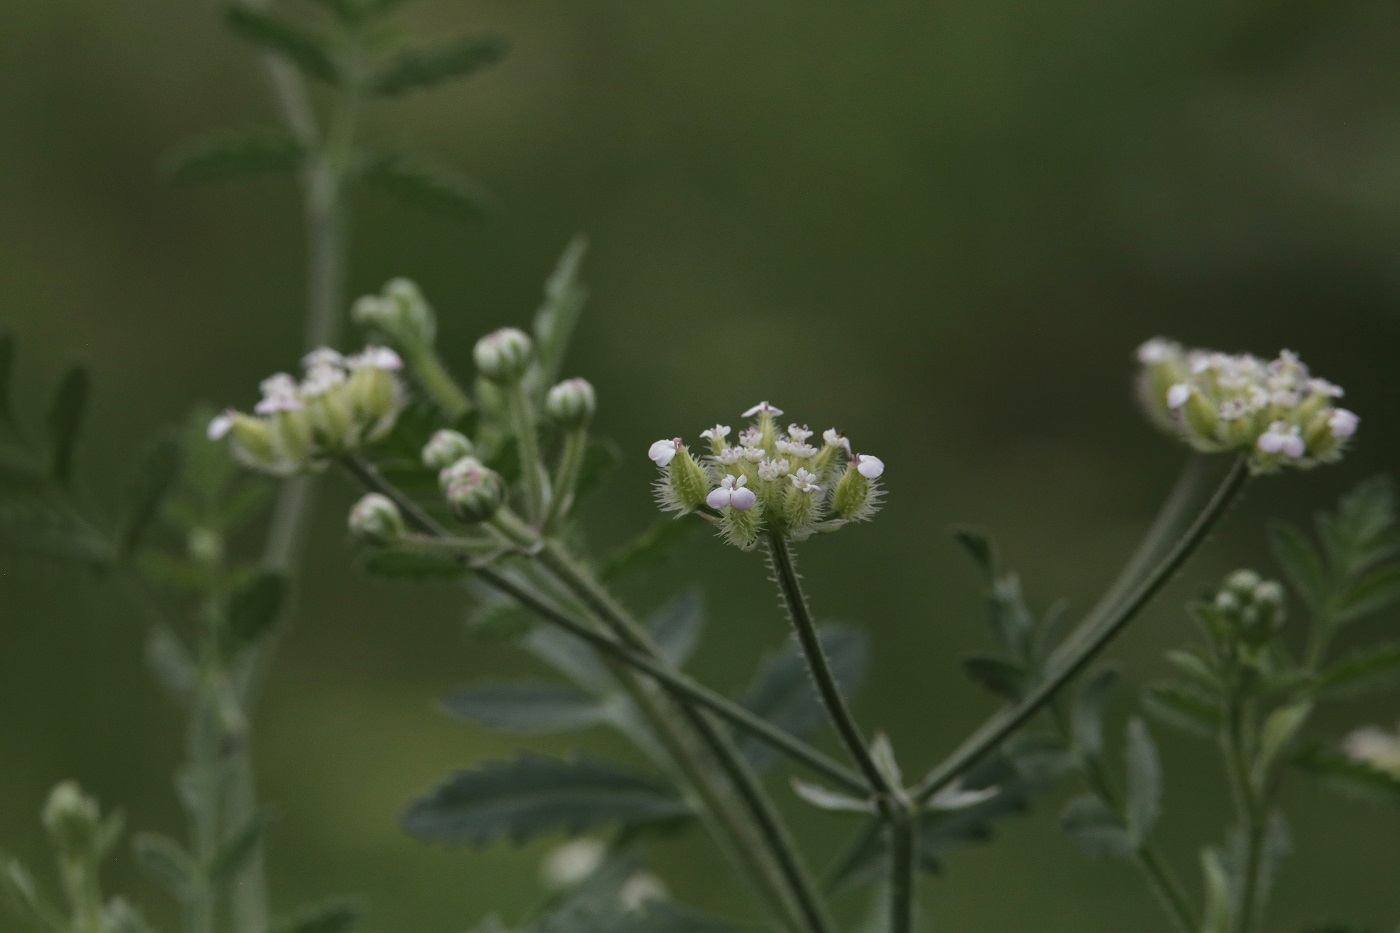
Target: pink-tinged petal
pixel 869 467
pixel 718 498
pixel 742 499
pixel 1293 446
pixel 1343 423
pixel 1271 443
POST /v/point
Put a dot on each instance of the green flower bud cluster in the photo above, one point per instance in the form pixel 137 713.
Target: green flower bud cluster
pixel 771 481
pixel 1275 412
pixel 376 520
pixel 400 313
pixel 474 491
pixel 341 404
pixel 571 403
pixel 74 821
pixel 503 356
pixel 1250 607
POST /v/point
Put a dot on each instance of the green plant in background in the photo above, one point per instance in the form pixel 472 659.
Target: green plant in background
pixel 480 482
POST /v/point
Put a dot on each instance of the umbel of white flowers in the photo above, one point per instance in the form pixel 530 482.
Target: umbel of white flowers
pixel 1275 412
pixel 341 404
pixel 770 480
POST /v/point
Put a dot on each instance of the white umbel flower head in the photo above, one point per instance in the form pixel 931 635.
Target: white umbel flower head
pixel 804 481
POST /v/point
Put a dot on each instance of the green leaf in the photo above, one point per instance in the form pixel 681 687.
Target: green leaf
pixel 1144 781
pixel 1095 829
pixel 1281 727
pixel 1349 776
pixel 979 546
pixel 782 690
pixel 233 154
pixel 572 657
pixel 167 861
pixel 280 36
pixel 532 795
pixel 1086 715
pixel 1370 594
pixel 415 69
pixel 1219 890
pixel 527 707
pixel 1191 664
pixel 651 548
pixel 65 417
pixel 1372 669
pixel 558 314
pixel 154 481
pixel 121 917
pixel 1301 563
pixel 171 661
pixel 599 458
pixel 238 852
pixel 397 564
pixel 826 799
pixel 675 627
pixel 429 187
pixel 23 894
pixel 255 610
pixel 329 917
pixel 1362 532
pixel 1184 707
pixel 1001 677
pixel 7 379
pixel 882 755
pixel 36 529
pixel 1011 621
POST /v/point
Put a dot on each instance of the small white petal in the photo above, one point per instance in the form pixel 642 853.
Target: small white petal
pixel 322 356
pixel 762 408
pixel 220 426
pixel 718 432
pixel 718 498
pixel 1271 443
pixel 1178 395
pixel 663 452
pixel 869 467
pixel 1343 423
pixel 1293 446
pixel 742 499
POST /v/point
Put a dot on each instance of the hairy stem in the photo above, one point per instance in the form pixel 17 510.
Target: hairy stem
pixel 566 477
pixel 1093 635
pixel 434 379
pixel 522 421
pixel 790 586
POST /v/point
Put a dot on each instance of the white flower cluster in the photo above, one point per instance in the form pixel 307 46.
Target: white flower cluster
pixel 1276 412
pixel 1374 746
pixel 771 480
pixel 341 403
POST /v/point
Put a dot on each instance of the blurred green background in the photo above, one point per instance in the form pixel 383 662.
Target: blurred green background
pixel 941 226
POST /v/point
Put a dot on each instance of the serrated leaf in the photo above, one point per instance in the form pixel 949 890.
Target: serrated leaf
pixel 167 861
pixel 826 799
pixel 1086 714
pixel 255 610
pixel 1184 707
pixel 1095 829
pixel 652 547
pixel 1281 728
pixel 1370 594
pixel 427 186
pixel 330 917
pixel 1349 776
pixel 1372 669
pixel 236 853
pixel 154 481
pixel 1362 531
pixel 65 418
pixel 398 564
pixel 415 69
pixel 558 314
pixel 782 690
pixel 570 656
pixel 532 795
pixel 280 36
pixel 527 707
pixel 676 626
pixel 997 675
pixel 232 154
pixel 1301 563
pixel 1144 781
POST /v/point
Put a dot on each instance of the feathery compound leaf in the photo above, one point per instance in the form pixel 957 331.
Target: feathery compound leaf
pixel 280 36
pixel 533 795
pixel 1370 594
pixel 652 547
pixel 255 610
pixel 557 316
pixel 167 861
pixel 65 417
pixel 415 69
pixel 1086 715
pixel 675 627
pixel 1373 669
pixel 1362 532
pixel 782 690
pixel 331 917
pixel 1349 776
pixel 1184 707
pixel 1144 781
pixel 427 186
pixel 155 479
pixel 1001 677
pixel 1280 729
pixel 1096 830
pixel 527 707
pixel 236 154
pixel 1301 563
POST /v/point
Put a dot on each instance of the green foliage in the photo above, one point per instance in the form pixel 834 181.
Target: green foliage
pixel 329 917
pixel 1086 713
pixel 65 418
pixel 276 34
pixel 402 564
pixel 1144 805
pixel 557 317
pixel 154 481
pixel 255 610
pixel 1349 776
pixel 1003 678
pixel 527 707
pixel 532 795
pixel 1375 668
pixel 782 692
pixel 1096 829
pixel 651 548
pixel 234 154
pixel 676 626
pixel 1184 707
pixel 425 185
pixel 166 861
pixel 236 853
pixel 417 69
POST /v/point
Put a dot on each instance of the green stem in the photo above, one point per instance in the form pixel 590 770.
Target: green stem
pixel 790 586
pixel 1248 811
pixel 522 421
pixel 903 870
pixel 1093 635
pixel 434 379
pixel 566 477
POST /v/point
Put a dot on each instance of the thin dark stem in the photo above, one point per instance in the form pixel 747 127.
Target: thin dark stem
pixel 903 872
pixel 790 586
pixel 1094 634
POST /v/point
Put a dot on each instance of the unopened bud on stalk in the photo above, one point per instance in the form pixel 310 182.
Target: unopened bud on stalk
pixel 400 313
pixel 503 356
pixel 445 448
pixel 475 491
pixel 73 819
pixel 1251 607
pixel 375 519
pixel 571 403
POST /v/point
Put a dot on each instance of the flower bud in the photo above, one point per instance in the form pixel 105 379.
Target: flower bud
pixel 400 313
pixel 474 491
pixel 72 819
pixel 504 355
pixel 572 862
pixel 1251 607
pixel 688 482
pixel 445 448
pixel 1242 583
pixel 375 519
pixel 571 403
